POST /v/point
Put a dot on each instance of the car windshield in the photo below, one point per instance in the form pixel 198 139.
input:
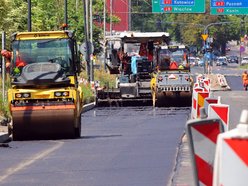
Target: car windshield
pixel 47 50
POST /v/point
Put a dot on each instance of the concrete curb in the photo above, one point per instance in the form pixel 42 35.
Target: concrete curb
pixel 88 107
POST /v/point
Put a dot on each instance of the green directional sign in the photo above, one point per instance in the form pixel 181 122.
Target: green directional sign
pixel 178 6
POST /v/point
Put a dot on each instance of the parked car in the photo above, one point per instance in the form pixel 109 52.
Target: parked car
pixel 233 59
pixel 244 60
pixel 221 61
pixel 192 61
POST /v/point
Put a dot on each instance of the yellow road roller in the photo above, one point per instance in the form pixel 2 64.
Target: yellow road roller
pixel 172 82
pixel 45 100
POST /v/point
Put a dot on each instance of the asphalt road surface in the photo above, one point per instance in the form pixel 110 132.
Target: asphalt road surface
pixel 119 146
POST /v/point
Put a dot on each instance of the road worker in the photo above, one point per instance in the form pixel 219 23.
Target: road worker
pixel 245 80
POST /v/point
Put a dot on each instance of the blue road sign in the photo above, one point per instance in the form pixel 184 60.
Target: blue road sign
pixel 229 7
pixel 229 3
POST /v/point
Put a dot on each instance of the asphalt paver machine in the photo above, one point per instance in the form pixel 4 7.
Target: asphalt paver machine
pixel 132 61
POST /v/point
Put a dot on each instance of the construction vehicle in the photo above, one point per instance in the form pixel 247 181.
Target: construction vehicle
pixel 45 100
pixel 132 61
pixel 172 82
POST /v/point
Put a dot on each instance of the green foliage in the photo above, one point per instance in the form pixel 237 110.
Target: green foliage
pixel 4 108
pixel 48 15
pixel 105 79
pixel 187 28
pixel 88 95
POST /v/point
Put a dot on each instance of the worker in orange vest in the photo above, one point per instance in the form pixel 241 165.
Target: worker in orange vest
pixel 245 80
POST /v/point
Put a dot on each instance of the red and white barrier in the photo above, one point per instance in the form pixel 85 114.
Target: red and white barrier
pixel 209 100
pixel 221 80
pixel 196 89
pixel 202 137
pixel 198 101
pixel 205 83
pixel 220 111
pixel 231 159
pixel 201 90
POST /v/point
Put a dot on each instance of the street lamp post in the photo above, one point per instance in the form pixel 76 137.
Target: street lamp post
pixel 241 41
pixel 29 16
pixel 206 45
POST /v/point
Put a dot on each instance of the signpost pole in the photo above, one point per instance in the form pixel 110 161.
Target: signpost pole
pixel 3 66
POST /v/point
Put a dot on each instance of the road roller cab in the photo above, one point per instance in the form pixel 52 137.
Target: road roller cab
pixel 45 100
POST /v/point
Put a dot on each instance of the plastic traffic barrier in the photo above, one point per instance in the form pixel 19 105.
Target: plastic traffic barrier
pixel 202 137
pixel 198 97
pixel 221 80
pixel 196 89
pixel 205 82
pixel 201 90
pixel 220 111
pixel 231 159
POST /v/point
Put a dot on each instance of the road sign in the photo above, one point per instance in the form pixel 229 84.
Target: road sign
pixel 83 48
pixel 229 7
pixel 204 36
pixel 179 6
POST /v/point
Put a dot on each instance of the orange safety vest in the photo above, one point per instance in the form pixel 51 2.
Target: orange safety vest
pixel 245 79
pixel 244 76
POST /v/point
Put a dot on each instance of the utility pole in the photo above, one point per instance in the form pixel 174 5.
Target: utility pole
pixel 3 66
pixel 91 44
pixel 104 34
pixel 66 17
pixel 86 33
pixel 111 14
pixel 206 43
pixel 129 15
pixel 241 42
pixel 29 16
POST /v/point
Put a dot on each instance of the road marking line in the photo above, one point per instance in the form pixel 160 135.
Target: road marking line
pixel 12 170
